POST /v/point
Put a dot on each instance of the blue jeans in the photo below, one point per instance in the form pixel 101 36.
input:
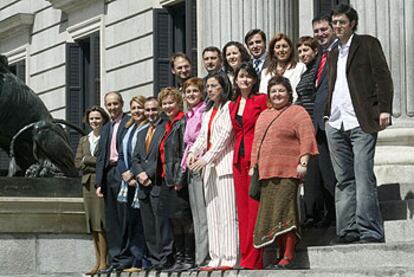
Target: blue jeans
pixel 356 200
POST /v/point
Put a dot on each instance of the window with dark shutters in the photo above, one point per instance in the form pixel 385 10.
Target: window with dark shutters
pixel 163 49
pixel 175 30
pixel 324 7
pixel 82 81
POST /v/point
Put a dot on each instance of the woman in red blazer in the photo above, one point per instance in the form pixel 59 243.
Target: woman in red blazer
pixel 245 108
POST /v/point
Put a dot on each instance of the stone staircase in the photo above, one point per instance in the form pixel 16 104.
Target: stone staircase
pixel 54 255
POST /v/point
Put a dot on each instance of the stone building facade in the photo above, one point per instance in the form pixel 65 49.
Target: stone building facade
pixel 70 52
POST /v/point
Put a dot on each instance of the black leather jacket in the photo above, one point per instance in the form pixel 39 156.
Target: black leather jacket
pixel 173 153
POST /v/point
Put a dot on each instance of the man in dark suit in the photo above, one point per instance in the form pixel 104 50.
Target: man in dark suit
pixel 108 179
pixel 157 226
pixel 359 106
pixel 255 40
pixel 320 179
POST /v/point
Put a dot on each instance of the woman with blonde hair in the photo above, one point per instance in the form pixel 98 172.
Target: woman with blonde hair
pixel 174 199
pixel 134 253
pixel 193 90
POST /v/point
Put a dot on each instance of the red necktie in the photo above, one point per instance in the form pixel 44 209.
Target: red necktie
pixel 320 67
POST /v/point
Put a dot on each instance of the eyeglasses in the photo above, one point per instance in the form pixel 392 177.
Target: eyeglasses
pixel 339 22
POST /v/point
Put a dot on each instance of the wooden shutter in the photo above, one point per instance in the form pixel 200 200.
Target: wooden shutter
pixel 95 71
pixel 191 32
pixel 163 49
pixel 74 90
pixel 21 70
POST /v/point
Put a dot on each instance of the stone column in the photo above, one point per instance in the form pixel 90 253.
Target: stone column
pixel 392 21
pixel 220 21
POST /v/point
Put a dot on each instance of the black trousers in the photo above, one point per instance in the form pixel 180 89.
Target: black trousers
pixel 115 217
pixel 319 198
pixel 157 225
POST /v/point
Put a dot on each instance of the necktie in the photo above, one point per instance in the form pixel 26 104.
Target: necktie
pixel 321 66
pixel 149 138
pixel 256 65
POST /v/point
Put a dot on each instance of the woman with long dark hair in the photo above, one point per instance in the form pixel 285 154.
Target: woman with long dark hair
pixel 213 152
pixel 234 54
pixel 245 108
pixel 282 62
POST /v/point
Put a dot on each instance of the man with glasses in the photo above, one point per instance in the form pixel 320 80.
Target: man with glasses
pixel 359 106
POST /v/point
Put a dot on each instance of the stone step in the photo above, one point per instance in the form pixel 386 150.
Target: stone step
pixel 395 231
pixel 361 256
pixel 398 272
pixel 40 187
pixel 397 209
pixel 396 191
pixel 399 230
pixel 45 254
pixel 42 215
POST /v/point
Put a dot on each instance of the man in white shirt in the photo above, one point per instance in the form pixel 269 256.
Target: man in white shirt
pixel 359 106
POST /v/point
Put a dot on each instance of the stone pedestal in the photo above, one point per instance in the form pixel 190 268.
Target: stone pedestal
pixel 39 205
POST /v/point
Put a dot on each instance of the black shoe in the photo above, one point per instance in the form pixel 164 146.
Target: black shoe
pixel 290 265
pixel 173 268
pixel 109 269
pixel 163 267
pixel 149 267
pixel 325 223
pixel 272 267
pixel 371 240
pixel 309 222
pixel 347 239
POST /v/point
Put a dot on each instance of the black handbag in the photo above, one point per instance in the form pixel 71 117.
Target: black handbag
pixel 255 186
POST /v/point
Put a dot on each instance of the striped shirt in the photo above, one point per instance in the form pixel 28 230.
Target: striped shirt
pixel 306 88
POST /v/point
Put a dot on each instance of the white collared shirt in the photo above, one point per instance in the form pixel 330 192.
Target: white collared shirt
pixel 93 142
pixel 342 109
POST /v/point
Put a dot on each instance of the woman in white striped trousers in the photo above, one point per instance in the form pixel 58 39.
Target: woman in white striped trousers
pixel 213 151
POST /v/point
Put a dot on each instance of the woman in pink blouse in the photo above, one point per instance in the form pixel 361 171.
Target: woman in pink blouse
pixel 193 90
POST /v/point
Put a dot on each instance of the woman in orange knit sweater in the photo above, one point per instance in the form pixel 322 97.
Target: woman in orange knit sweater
pixel 283 142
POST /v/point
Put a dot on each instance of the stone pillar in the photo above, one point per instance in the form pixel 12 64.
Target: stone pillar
pixel 392 21
pixel 220 21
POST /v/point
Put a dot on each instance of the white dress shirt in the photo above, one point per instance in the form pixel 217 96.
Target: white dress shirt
pixel 293 74
pixel 342 109
pixel 93 142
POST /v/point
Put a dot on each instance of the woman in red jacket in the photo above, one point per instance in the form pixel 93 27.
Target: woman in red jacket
pixel 244 110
